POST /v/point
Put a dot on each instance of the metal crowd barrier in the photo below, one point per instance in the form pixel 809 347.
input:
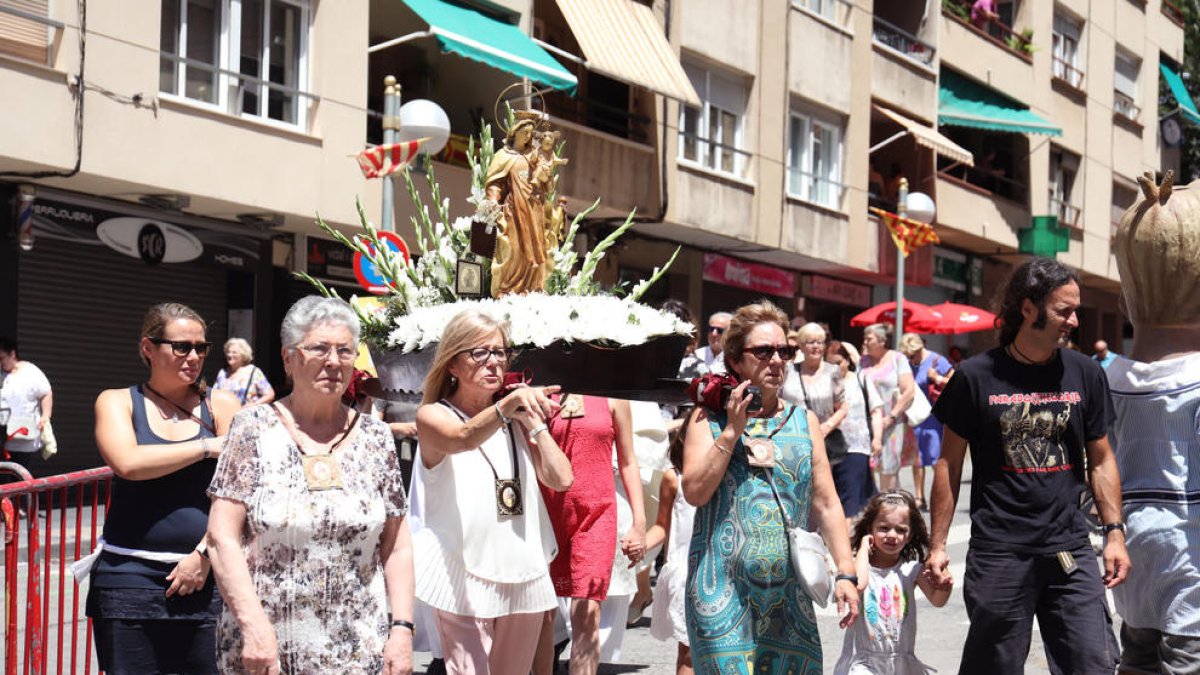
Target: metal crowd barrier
pixel 44 627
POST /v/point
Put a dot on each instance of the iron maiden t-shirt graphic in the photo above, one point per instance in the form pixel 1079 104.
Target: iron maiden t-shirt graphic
pixel 1028 428
pixel 1031 431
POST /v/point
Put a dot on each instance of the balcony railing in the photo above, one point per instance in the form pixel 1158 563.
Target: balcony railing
pixel 815 189
pixel 601 116
pixel 992 30
pixel 1173 11
pixel 1125 106
pixel 1068 214
pixel 1067 73
pixel 900 40
pixel 991 182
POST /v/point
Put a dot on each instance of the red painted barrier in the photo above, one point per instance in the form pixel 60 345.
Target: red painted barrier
pixel 32 509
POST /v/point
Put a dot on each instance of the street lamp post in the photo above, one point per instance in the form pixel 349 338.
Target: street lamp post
pixel 391 134
pixel 919 207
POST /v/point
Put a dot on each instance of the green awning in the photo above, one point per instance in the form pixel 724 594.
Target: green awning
pixel 964 103
pixel 1186 105
pixel 476 36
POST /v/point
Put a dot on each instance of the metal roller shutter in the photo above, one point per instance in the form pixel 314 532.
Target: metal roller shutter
pixel 80 310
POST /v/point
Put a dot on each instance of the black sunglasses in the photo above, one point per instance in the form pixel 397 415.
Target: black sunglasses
pixel 183 347
pixel 786 352
pixel 716 329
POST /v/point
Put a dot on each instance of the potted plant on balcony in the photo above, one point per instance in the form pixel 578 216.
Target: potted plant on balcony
pixel 569 330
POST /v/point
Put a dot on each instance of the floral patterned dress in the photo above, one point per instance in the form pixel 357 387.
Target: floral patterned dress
pixel 314 556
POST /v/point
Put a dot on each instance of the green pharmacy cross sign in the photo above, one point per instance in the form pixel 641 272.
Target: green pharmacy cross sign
pixel 1045 238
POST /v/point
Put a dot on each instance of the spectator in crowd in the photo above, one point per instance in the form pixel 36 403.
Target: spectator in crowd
pixel 889 371
pixel 692 365
pixel 240 376
pixel 151 599
pixel 482 556
pixel 1036 417
pixel 308 537
pixel 584 517
pixel 742 470
pixel 710 354
pixel 1156 393
pixel 983 12
pixel 891 543
pixel 822 389
pixel 1102 355
pixel 955 354
pixel 931 371
pixel 26 403
pixel 863 428
pixel 673 530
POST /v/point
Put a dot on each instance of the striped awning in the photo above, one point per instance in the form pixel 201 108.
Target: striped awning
pixel 623 40
pixel 930 138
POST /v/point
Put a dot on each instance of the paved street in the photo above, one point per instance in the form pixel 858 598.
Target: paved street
pixel 940 631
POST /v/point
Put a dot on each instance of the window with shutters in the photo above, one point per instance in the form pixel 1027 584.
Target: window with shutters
pixel 26 30
pixel 814 160
pixel 1125 85
pixel 1066 57
pixel 246 57
pixel 1064 167
pixel 713 135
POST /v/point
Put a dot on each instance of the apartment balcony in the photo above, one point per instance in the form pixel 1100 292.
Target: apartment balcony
pixel 1068 214
pixel 980 211
pixel 625 173
pixel 1172 10
pixel 1067 78
pixel 819 40
pixel 902 69
pixel 993 52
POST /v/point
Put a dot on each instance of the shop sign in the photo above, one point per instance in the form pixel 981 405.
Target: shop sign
pixel 950 269
pixel 150 240
pixel 328 259
pixel 750 276
pixel 817 287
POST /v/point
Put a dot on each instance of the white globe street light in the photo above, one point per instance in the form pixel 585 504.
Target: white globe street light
pixel 422 118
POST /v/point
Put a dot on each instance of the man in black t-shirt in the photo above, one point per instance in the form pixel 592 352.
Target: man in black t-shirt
pixel 1036 418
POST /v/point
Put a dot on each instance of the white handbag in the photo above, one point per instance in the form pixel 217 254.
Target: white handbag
pixel 812 563
pixel 920 409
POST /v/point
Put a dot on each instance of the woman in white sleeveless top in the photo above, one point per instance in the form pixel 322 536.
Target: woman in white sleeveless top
pixel 482 559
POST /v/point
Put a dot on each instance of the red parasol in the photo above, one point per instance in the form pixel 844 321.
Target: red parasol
pixel 956 318
pixel 916 316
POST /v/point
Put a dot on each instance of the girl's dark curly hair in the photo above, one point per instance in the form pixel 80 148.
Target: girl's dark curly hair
pixel 1033 281
pixel 917 547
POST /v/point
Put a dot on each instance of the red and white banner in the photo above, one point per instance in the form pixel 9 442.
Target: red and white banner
pixel 751 276
pixel 385 160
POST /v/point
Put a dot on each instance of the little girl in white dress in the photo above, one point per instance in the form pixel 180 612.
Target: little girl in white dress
pixel 893 543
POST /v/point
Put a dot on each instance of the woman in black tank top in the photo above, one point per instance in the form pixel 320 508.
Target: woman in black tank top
pixel 152 600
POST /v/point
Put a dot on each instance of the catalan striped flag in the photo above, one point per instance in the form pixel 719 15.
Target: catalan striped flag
pixel 907 233
pixel 385 160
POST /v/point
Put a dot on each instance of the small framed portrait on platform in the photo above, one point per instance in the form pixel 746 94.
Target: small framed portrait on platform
pixel 468 282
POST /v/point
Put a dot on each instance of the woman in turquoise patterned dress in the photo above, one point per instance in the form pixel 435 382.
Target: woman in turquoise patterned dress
pixel 746 612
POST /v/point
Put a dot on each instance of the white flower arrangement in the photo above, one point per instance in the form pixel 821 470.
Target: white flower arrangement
pixel 424 298
pixel 537 320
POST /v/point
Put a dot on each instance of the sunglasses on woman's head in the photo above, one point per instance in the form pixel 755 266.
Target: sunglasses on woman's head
pixel 786 352
pixel 480 355
pixel 183 347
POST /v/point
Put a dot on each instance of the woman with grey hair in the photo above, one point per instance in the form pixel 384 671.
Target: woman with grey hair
pixel 307 532
pixel 889 371
pixel 247 381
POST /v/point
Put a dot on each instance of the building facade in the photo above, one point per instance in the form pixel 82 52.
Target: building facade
pixel 182 149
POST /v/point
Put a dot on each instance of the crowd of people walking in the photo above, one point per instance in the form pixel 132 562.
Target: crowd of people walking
pixel 253 535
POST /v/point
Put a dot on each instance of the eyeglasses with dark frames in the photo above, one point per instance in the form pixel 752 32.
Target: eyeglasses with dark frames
pixel 764 353
pixel 480 355
pixel 183 347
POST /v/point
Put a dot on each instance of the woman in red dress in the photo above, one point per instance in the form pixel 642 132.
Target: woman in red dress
pixel 585 519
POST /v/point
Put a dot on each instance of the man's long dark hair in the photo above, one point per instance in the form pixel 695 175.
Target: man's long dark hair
pixel 1033 281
